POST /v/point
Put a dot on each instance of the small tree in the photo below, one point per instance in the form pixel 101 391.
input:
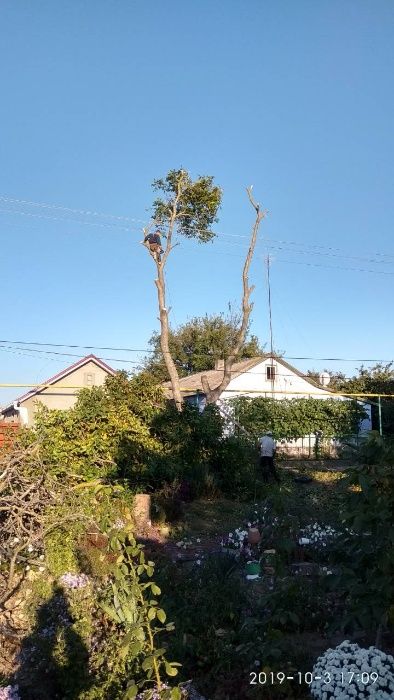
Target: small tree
pixel 189 208
pixel 197 344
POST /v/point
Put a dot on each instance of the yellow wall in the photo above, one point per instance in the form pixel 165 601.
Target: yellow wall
pixel 64 398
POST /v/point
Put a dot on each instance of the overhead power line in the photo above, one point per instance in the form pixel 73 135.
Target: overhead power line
pixel 69 354
pixel 133 220
pixel 59 207
pixel 207 354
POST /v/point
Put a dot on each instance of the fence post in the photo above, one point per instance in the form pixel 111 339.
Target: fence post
pixel 380 416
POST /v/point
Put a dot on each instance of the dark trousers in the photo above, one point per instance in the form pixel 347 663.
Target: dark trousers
pixel 268 468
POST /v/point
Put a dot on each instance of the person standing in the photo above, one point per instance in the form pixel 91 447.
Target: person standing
pixel 267 453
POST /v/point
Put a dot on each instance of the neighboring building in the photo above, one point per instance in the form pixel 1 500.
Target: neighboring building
pixel 60 391
pixel 268 376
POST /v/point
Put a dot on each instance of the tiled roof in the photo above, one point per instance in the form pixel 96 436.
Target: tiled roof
pixel 192 383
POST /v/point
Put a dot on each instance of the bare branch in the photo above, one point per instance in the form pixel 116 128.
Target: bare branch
pixel 214 394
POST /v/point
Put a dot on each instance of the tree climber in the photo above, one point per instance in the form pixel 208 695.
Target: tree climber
pixel 153 242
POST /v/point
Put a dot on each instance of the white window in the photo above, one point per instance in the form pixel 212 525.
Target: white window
pixel 89 379
pixel 270 369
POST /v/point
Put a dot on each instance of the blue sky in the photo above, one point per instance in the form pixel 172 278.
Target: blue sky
pixel 100 98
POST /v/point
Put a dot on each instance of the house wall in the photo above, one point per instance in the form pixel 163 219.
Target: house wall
pixel 254 382
pixel 62 398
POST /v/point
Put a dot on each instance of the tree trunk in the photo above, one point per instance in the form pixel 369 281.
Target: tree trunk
pixel 164 337
pixel 214 394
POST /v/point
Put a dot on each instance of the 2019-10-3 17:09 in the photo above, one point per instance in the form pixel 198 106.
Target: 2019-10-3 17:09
pixel 272 678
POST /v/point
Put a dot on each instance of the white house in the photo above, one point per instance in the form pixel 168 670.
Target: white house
pixel 269 376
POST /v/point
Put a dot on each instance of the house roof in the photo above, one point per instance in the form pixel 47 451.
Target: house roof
pixel 192 383
pixel 61 375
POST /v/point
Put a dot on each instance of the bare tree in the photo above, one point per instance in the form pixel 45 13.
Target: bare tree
pixel 30 499
pixel 212 395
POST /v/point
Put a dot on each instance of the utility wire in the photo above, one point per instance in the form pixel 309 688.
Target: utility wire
pixel 126 219
pixel 84 212
pixel 207 354
pixel 71 354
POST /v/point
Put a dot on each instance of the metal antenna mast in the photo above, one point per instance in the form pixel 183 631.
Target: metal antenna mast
pixel 271 334
pixel 269 304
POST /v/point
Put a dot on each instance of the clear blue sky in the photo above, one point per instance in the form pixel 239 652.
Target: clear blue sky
pixel 99 98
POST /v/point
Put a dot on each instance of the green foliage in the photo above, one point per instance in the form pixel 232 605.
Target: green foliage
pixel 295 418
pixel 189 442
pixel 198 343
pixel 60 553
pixel 131 604
pixel 236 467
pixel 378 379
pixel 196 203
pixel 365 550
pixel 376 449
pixel 102 641
pixel 101 435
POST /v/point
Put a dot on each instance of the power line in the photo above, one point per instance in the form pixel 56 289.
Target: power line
pixel 84 212
pixel 65 219
pixel 69 354
pixel 124 219
pixel 207 354
pixel 327 267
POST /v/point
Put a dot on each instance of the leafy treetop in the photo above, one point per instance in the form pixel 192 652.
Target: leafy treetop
pixel 196 345
pixel 195 204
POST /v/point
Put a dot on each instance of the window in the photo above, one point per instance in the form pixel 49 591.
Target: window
pixel 89 378
pixel 270 373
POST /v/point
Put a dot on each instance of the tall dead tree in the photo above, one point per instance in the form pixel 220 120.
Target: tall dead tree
pixel 212 395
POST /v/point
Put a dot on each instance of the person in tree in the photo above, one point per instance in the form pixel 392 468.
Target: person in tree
pixel 267 453
pixel 153 242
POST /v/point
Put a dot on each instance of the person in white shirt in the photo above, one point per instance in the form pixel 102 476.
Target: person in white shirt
pixel 267 453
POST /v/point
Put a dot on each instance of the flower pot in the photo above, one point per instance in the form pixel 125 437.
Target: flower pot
pixel 252 568
pixel 254 536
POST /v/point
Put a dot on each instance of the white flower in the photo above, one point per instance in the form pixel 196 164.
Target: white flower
pixel 198 539
pixel 198 562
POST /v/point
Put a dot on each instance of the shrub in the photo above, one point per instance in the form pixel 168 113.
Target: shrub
pixel 348 672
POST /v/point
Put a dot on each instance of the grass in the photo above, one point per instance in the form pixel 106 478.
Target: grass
pixel 319 500
pixel 212 518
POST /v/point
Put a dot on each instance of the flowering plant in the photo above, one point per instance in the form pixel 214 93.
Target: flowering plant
pixel 9 692
pixel 318 535
pixel 236 539
pixel 350 672
pixel 259 517
pixel 74 581
pixel 184 544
